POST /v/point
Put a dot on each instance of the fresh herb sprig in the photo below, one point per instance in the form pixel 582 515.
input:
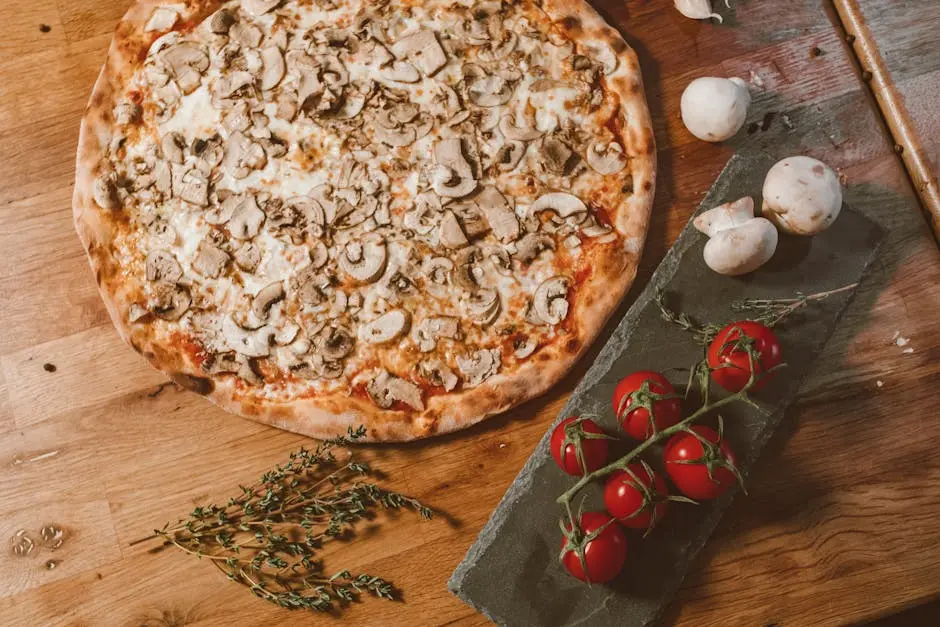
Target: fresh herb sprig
pixel 268 537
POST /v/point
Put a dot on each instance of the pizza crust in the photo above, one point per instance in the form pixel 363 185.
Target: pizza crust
pixel 331 415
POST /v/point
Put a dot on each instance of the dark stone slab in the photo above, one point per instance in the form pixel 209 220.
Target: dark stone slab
pixel 511 573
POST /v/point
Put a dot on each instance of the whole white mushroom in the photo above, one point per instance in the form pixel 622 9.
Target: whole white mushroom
pixel 739 243
pixel 714 109
pixel 802 196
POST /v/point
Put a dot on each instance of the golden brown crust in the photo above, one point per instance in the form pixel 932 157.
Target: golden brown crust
pixel 614 265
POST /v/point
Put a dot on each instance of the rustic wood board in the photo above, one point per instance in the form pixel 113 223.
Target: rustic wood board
pixel 840 524
pixel 896 44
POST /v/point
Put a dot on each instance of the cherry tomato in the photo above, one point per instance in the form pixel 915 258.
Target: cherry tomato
pixel 604 555
pixel 693 479
pixel 644 385
pixel 729 361
pixel 565 451
pixel 636 503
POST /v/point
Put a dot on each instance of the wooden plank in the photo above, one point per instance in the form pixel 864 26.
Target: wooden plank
pixel 896 46
pixel 90 367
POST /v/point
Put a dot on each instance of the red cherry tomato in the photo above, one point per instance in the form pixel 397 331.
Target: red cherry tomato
pixel 693 479
pixel 636 503
pixel 604 555
pixel 565 451
pixel 643 385
pixel 729 361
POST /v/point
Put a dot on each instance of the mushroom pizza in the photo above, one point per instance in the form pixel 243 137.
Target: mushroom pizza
pixel 403 214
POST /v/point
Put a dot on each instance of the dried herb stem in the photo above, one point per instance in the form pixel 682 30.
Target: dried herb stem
pixel 268 538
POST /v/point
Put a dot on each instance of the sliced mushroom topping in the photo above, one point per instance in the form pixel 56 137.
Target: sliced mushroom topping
pixel 468 272
pixel 209 154
pixel 248 257
pixel 555 155
pixel 490 91
pixel 319 255
pixel 509 155
pixel 606 158
pixel 386 389
pixel 439 374
pixel 210 260
pixel 364 261
pixel 228 85
pixel 531 245
pixel 386 328
pixel 423 49
pixel 501 261
pixel 551 300
pixel 162 18
pixel 479 366
pixel 524 347
pixel 395 136
pixel 421 219
pixel 246 219
pixel 194 188
pixel 451 234
pixel 273 62
pixel 437 271
pixel 163 266
pixel 334 343
pixel 499 50
pixel 187 61
pixel 359 214
pixel 259 7
pixel 286 334
pixel 606 56
pixel 453 178
pixel 221 21
pixel 251 343
pixel 593 229
pixel 565 205
pixel 338 304
pixel 246 34
pixel 243 155
pixel 173 146
pixel 400 72
pixel 432 329
pixel 266 298
pixel 483 307
pixel 170 301
pixel 511 130
pixel 499 214
pixel 105 191
pixel 315 367
pixel 323 195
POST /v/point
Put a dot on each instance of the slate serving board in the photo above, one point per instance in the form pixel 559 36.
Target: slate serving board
pixel 511 573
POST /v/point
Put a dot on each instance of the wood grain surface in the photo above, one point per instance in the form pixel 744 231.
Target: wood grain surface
pixel 895 42
pixel 841 522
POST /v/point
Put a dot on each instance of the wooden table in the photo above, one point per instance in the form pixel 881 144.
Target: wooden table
pixel 841 522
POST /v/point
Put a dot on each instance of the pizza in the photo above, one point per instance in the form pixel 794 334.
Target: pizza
pixel 407 215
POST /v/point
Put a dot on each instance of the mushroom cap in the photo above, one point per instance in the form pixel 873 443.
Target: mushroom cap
pixel 259 7
pixel 510 130
pixel 266 298
pixel 161 265
pixel 742 249
pixel 606 157
pixel 453 178
pixel 563 204
pixel 726 216
pixel 386 327
pixel 252 343
pixel 802 196
pixel 551 300
pixel 479 366
pixel 386 388
pixel 714 109
pixel 170 301
pixel 364 261
pixel 273 63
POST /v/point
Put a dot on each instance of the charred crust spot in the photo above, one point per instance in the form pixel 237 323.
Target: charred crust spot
pixel 818 170
pixel 199 385
pixel 618 44
pixel 573 346
pixel 543 356
pixel 571 23
pixel 99 277
pixel 635 88
pixel 647 185
pixel 136 347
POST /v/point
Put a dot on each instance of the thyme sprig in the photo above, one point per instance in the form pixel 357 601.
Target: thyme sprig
pixel 268 537
pixel 768 311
